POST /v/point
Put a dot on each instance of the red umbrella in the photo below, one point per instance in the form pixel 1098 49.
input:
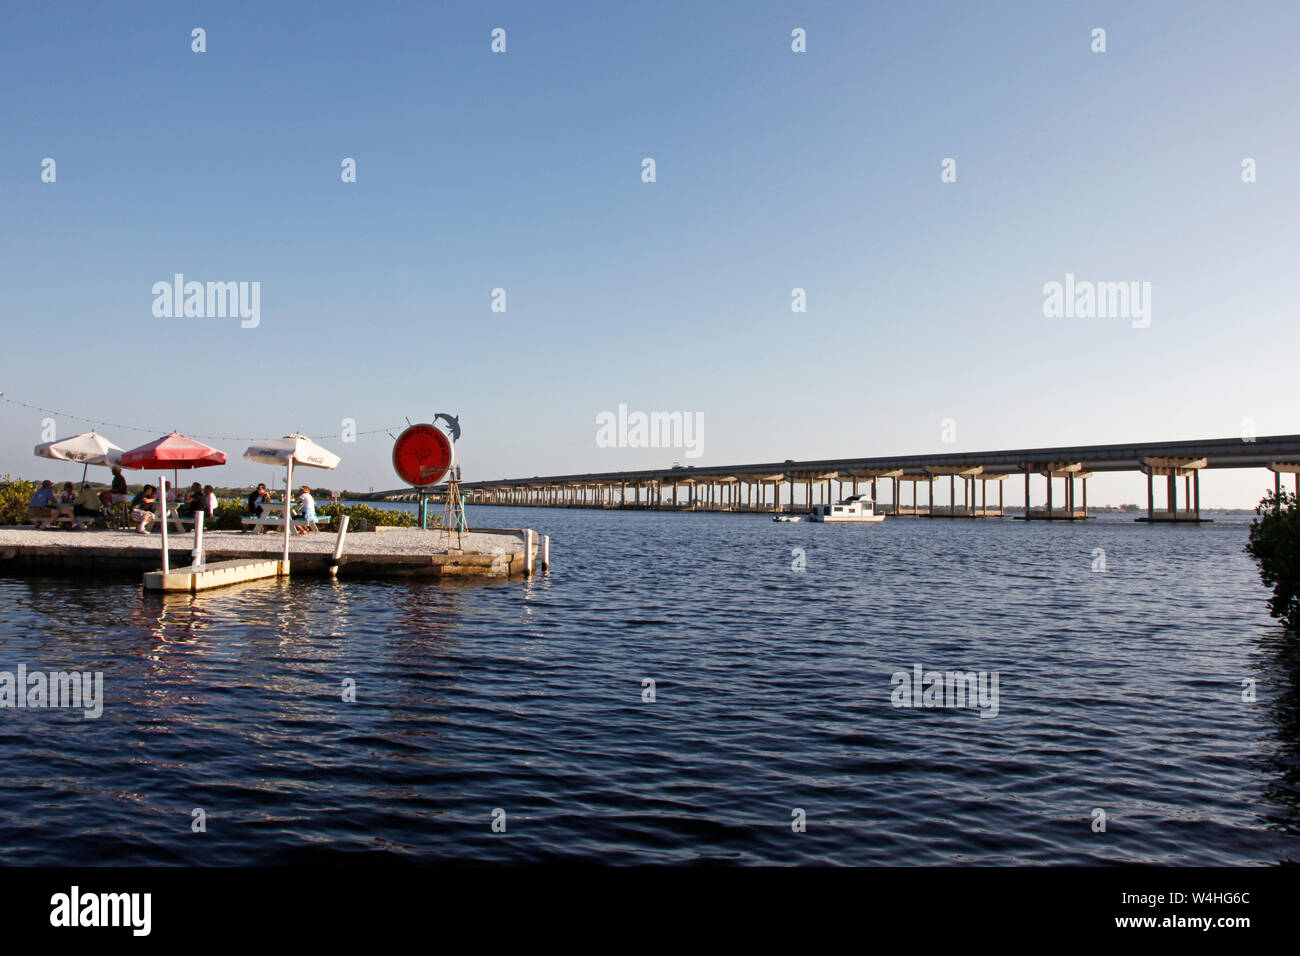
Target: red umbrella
pixel 173 451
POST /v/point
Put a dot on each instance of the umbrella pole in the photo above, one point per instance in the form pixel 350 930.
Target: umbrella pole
pixel 288 481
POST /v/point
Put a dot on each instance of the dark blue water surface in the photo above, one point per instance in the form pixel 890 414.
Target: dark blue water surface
pixel 1118 690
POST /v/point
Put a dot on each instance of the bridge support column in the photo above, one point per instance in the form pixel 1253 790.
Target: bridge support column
pixel 1172 469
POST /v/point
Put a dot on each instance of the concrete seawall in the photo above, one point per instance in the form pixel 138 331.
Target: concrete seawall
pixel 498 553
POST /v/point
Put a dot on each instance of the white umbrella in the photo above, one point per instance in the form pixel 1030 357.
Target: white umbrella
pixel 289 450
pixel 88 448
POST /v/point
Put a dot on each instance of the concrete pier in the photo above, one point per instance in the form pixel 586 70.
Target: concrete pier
pixel 394 552
pixel 213 575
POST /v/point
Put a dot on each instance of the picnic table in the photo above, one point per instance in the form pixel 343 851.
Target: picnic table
pixel 270 521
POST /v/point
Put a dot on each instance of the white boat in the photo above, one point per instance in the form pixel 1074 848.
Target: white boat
pixel 858 509
pixel 786 518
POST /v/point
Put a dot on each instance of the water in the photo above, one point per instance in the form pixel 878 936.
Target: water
pixel 1118 690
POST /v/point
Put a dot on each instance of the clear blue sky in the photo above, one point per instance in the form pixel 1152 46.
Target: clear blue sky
pixel 775 170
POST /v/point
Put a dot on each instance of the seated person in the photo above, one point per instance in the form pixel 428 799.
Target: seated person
pixel 88 504
pixel 68 504
pixel 308 504
pixel 210 505
pixel 118 490
pixel 194 501
pixel 174 510
pixel 144 508
pixel 45 500
pixel 259 503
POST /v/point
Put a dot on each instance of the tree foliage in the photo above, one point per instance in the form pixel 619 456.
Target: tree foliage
pixel 1275 544
pixel 15 494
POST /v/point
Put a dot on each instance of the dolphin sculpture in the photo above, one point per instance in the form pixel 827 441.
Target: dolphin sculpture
pixel 453 424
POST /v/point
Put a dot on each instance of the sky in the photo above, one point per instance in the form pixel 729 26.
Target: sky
pixel 775 170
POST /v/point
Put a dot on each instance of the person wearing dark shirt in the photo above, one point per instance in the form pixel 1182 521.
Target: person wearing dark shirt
pixel 144 508
pixel 258 501
pixel 259 504
pixel 194 502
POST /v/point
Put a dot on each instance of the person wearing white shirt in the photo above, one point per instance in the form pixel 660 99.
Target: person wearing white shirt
pixel 308 505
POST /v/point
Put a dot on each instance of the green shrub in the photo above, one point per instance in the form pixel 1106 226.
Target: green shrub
pixel 15 494
pixel 360 517
pixel 1275 544
pixel 364 517
pixel 228 514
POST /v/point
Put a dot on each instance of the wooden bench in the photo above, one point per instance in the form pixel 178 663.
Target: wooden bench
pixel 248 521
pixel 42 515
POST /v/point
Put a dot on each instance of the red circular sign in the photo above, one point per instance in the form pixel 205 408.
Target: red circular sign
pixel 422 455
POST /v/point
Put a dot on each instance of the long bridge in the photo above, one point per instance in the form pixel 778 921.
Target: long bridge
pixel 772 486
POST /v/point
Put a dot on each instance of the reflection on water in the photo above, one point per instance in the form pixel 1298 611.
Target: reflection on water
pixel 1119 690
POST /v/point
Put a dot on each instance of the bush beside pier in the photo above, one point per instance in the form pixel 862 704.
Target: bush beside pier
pixel 1275 544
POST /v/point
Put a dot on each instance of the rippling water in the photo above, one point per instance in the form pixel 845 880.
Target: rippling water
pixel 1118 690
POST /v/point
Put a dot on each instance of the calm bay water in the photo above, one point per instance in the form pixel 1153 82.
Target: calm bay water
pixel 1119 690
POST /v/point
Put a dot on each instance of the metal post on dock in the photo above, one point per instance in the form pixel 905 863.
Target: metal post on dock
pixel 162 517
pixel 338 545
pixel 196 556
pixel 528 551
pixel 288 515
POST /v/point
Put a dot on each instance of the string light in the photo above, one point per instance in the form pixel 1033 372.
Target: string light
pixel 167 431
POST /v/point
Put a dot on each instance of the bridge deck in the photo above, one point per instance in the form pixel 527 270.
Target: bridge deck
pixel 1218 452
